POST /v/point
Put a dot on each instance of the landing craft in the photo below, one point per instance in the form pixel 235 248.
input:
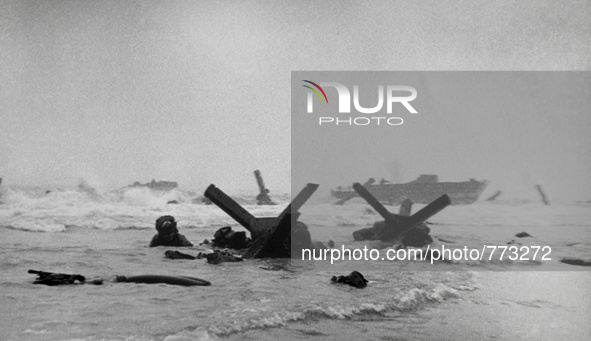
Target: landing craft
pixel 423 190
pixel 157 185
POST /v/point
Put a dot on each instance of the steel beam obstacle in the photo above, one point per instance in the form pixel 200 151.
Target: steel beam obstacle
pixel 397 225
pixel 271 236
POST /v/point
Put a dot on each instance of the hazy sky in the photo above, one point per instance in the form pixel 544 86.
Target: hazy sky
pixel 514 129
pixel 199 91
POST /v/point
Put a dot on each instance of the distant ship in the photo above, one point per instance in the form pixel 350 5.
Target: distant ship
pixel 157 185
pixel 424 190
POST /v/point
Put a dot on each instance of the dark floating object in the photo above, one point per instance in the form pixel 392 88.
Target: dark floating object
pixel 575 261
pixel 226 237
pixel 522 235
pixel 215 257
pixel 218 257
pixel 355 279
pixel 330 244
pixel 177 255
pixel 158 279
pixel 51 278
pixel 172 202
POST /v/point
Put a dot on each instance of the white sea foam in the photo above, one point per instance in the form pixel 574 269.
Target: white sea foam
pixel 407 299
pixel 34 210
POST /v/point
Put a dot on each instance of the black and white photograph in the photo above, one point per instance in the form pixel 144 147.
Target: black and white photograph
pixel 295 170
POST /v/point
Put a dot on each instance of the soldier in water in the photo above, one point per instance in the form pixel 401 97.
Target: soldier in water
pixel 168 234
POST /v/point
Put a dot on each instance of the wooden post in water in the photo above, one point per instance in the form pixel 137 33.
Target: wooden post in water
pixel 543 195
pixel 494 196
pixel 263 196
pixel 406 207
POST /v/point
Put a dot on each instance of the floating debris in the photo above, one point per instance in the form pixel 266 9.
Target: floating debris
pixel 522 235
pixel 51 278
pixel 355 279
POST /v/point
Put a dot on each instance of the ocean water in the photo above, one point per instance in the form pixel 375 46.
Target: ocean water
pixel 106 234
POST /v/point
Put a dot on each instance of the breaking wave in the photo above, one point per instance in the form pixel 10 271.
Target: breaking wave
pixel 56 210
pixel 410 300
